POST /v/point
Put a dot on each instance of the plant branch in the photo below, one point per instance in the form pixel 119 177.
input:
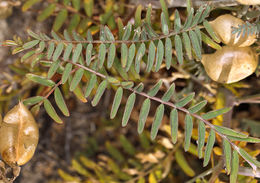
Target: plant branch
pixel 235 147
pixel 162 36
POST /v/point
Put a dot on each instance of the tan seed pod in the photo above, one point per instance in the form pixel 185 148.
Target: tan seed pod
pixel 19 136
pixel 249 2
pixel 222 26
pixel 230 64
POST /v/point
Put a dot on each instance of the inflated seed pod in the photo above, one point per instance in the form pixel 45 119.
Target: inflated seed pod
pixel 19 136
pixel 230 64
pixel 249 2
pixel 222 26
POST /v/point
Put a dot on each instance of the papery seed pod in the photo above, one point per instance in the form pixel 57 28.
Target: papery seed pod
pixel 19 136
pixel 230 64
pixel 222 26
pixel 249 2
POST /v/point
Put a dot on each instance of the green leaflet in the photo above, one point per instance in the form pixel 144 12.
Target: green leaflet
pixel 27 55
pixel 195 43
pixel 248 139
pixel 165 11
pixel 209 147
pixel 198 33
pixel 143 115
pixel 109 35
pixel 151 57
pixel 41 80
pixel 52 70
pixel 51 111
pixel 215 113
pixel 157 121
pixel 185 100
pixel 101 55
pixel 99 92
pixel 127 32
pixel 88 7
pixel 76 79
pixel 187 44
pixel 205 14
pixel 189 20
pixel 66 73
pixel 111 55
pixel 67 52
pixel 211 31
pixel 33 34
pixel 89 53
pixel 74 22
pixel 127 146
pixel 30 44
pixel 177 21
pixel 124 54
pixel 76 53
pixel 178 48
pixel 116 154
pixel 234 167
pixel 28 4
pixel 209 41
pixel 168 94
pixel 168 52
pixel 55 36
pixel 89 35
pixel 57 51
pixel 182 162
pixel 33 100
pixel 131 56
pixel 79 94
pixel 60 102
pixel 188 131
pixel 91 85
pixel 119 69
pixel 76 4
pixel 197 16
pixel 139 56
pixel 120 26
pixel 66 35
pixel 201 138
pixel 159 56
pixel 148 14
pixel 227 154
pixel 127 84
pixel 230 132
pixel 149 31
pixel 165 28
pixel 37 59
pixel 116 102
pixel 128 108
pixel 252 161
pixel 60 20
pixel 139 87
pixel 48 11
pixel 154 90
pixel 138 18
pixel 113 80
pixel 174 125
pixel 79 168
pixel 41 47
pixel 197 107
